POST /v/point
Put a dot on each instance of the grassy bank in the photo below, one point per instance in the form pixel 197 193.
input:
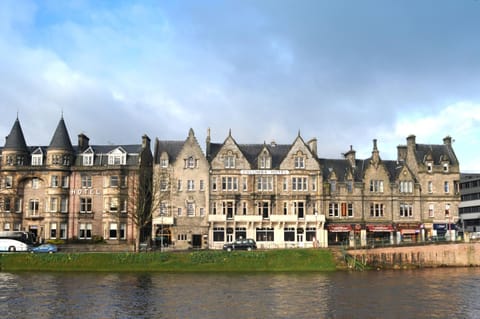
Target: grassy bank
pixel 198 261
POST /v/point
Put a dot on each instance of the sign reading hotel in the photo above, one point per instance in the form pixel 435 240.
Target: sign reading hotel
pixel 264 172
pixel 86 191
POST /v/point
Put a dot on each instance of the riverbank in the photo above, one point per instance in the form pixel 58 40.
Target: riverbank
pixel 287 260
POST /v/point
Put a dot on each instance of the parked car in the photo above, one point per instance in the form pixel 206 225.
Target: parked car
pixel 475 236
pixel 45 248
pixel 241 244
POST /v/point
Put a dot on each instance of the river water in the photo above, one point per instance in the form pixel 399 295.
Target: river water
pixel 427 293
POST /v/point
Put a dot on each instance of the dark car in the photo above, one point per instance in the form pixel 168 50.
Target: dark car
pixel 241 244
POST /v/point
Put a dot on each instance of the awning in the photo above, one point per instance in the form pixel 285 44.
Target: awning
pixel 444 226
pixel 339 228
pixel 409 231
pixel 380 228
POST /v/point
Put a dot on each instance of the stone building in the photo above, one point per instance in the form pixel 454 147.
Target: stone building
pixel 180 188
pixel 64 192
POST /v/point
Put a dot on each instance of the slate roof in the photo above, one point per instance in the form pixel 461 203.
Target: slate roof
pixel 61 139
pixel 172 148
pixel 101 154
pixel 15 141
pixel 437 151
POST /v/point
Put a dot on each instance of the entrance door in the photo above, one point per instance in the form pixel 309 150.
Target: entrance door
pixel 197 241
pixel 229 238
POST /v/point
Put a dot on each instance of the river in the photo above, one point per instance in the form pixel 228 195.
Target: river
pixel 425 293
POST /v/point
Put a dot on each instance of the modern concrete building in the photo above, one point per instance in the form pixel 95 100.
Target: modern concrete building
pixel 470 205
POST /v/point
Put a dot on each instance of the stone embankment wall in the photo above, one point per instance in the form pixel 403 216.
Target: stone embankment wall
pixel 440 255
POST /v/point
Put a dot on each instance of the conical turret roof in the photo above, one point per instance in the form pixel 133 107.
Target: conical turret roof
pixel 15 141
pixel 61 139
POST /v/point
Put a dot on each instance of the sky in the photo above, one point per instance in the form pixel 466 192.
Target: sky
pixel 344 72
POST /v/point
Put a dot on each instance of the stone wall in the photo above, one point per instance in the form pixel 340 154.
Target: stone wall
pixel 440 255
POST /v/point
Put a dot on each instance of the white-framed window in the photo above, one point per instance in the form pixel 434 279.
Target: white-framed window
pixel 313 180
pixel 190 185
pixel 446 187
pixel 202 185
pixel 333 210
pixel 406 186
pixel 299 209
pixel 7 204
pixel 299 162
pixel 123 231
pixel 112 234
pixel 53 230
pixel 35 183
pixel 265 183
pixel 85 204
pixel 63 230
pixel 53 204
pixel 85 231
pixel 377 210
pixel 263 209
pixel 264 161
pixel 349 186
pixel 430 187
pixel 114 181
pixel 229 161
pixel 87 157
pixel 333 186
pixel 86 181
pixel 54 181
pixel 376 186
pixel 406 210
pixel 117 157
pixel 244 184
pixel 163 209
pixel 37 157
pixel 229 183
pixel 6 226
pixel 34 206
pixel 164 162
pixel 285 208
pixel 65 181
pixel 445 167
pixel 64 204
pixel 190 209
pixel 18 205
pixel 190 162
pixel 299 184
pixel 214 184
pixel 429 167
pixel 431 210
pixel 8 181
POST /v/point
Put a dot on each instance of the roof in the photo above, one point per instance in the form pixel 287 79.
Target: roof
pixel 15 140
pixel 61 139
pixel 172 148
pixel 437 151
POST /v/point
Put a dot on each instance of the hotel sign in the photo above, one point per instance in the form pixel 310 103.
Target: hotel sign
pixel 264 172
pixel 86 191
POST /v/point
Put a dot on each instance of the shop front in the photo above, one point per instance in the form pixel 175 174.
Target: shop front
pixel 380 234
pixel 409 232
pixel 444 231
pixel 339 234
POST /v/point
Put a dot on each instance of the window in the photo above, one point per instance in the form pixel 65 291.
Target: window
pixel 406 210
pixel 430 187
pixel 333 210
pixel 37 159
pixel 349 186
pixel 112 204
pixel 8 182
pixel 85 204
pixel 87 159
pixel 6 226
pixel 214 208
pixel 123 181
pixel 350 209
pixel 163 209
pixel 85 231
pixel 446 187
pixel 406 186
pixel 164 162
pixel 263 209
pixel 219 234
pixel 244 184
pixel 53 231
pixel 113 181
pixel 163 184
pixel 376 210
pixel 429 167
pixel 431 211
pixel 229 161
pixel 289 234
pixel 299 162
pixel 86 181
pixel 63 230
pixel 299 184
pixel 244 208
pixel 240 233
pixel 65 181
pixel 117 157
pixel 214 184
pixel 447 210
pixel 285 183
pixel 264 183
pixel 376 186
pixel 33 207
pixel 190 162
pixel 311 234
pixel 264 162
pixel 313 179
pixel 64 204
pixel 179 185
pixel 123 205
pixel 265 234
pixel 35 183
pixel 190 185
pixel 299 209
pixel 190 209
pixel 202 211
pixel 445 167
pixel 18 205
pixel 202 185
pixel 53 204
pixel 229 183
pixel 7 204
pixel 333 186
pixel 228 209
pixel 285 208
pixel 113 231
pixel 54 181
pixel 123 231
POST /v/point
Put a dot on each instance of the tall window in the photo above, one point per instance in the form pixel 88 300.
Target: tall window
pixel 229 161
pixel 229 183
pixel 63 230
pixel 113 231
pixel 446 187
pixel 264 161
pixel 190 185
pixel 114 181
pixel 65 180
pixel 431 210
pixel 53 230
pixel 190 162
pixel 430 187
pixel 87 159
pixel 333 210
pixel 33 207
pixel 54 181
pixel 8 181
pixel 85 231
pixel 406 210
pixel 190 209
pixel 37 159
pixel 214 184
pixel 299 184
pixel 64 204
pixel 219 234
pixel 53 204
pixel 265 183
pixel 263 209
pixel 376 210
pixel 299 209
pixel 35 183
pixel 406 186
pixel 86 181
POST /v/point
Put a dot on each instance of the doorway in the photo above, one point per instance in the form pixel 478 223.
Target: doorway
pixel 197 241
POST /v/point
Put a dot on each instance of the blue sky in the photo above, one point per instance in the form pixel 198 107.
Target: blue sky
pixel 345 72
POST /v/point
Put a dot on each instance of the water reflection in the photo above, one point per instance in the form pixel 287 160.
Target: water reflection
pixel 432 293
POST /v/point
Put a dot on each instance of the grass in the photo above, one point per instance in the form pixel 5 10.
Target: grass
pixel 198 261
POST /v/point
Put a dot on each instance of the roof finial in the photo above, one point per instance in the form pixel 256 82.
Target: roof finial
pixel 298 132
pixel 230 132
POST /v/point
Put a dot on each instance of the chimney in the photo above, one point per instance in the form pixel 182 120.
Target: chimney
pixel 411 141
pixel 312 144
pixel 350 156
pixel 145 142
pixel 207 148
pixel 83 142
pixel 401 153
pixel 447 140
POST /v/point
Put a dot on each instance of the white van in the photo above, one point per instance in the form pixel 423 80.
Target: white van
pixel 13 245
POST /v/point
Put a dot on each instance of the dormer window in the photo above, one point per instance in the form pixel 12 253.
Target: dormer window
pixel 429 167
pixel 264 161
pixel 37 157
pixel 445 167
pixel 87 157
pixel 190 162
pixel 117 157
pixel 164 162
